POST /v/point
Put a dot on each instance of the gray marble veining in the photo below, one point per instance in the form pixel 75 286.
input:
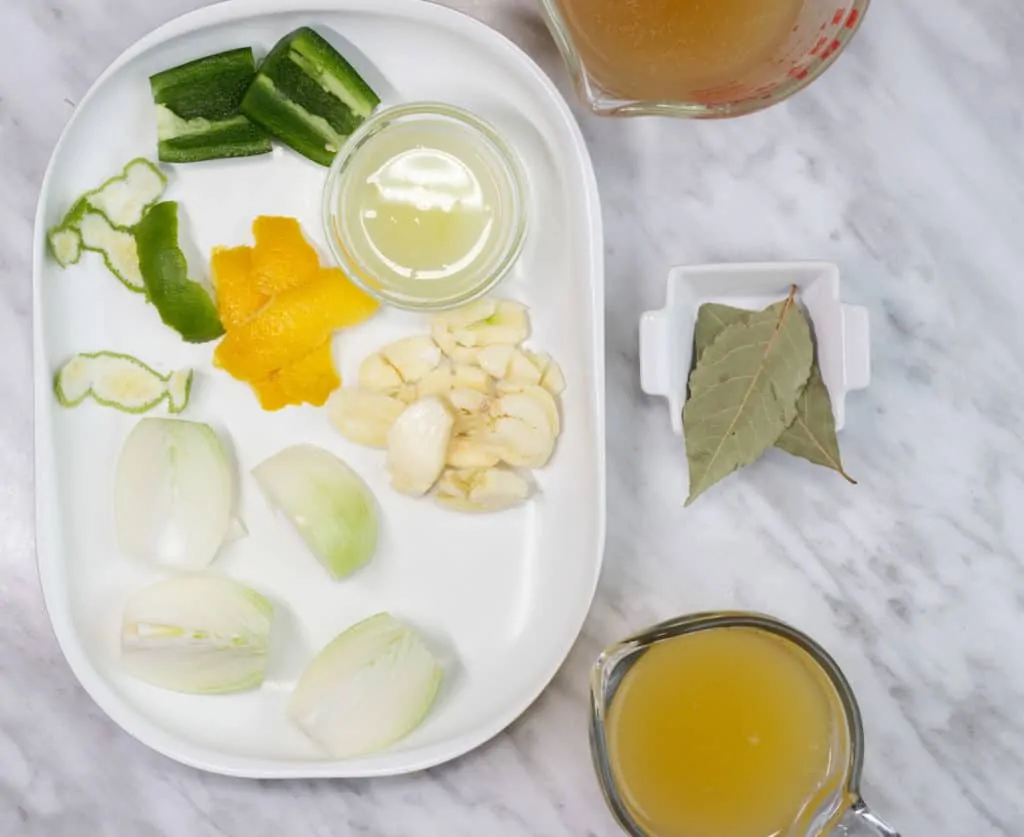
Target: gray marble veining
pixel 904 164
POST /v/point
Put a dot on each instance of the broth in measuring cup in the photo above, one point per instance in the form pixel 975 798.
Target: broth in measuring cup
pixel 726 732
pixel 672 49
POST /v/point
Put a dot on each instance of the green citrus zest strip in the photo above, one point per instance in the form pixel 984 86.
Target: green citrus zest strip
pixel 101 374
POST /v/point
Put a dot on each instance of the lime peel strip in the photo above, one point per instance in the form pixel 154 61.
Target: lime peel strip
pixel 176 386
pixel 66 240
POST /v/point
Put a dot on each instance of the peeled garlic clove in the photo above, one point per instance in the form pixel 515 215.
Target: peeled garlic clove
pixel 377 374
pixel 362 416
pixel 552 379
pixel 418 445
pixel 471 377
pixel 494 359
pixel 438 381
pixel 469 452
pixel 521 370
pixel 413 357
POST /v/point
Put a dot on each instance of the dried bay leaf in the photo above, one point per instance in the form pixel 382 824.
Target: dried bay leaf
pixel 712 320
pixel 812 435
pixel 743 392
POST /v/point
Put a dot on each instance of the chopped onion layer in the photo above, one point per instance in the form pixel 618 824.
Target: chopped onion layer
pixel 369 687
pixel 332 508
pixel 197 634
pixel 173 493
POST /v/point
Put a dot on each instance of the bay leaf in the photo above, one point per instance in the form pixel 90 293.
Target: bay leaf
pixel 712 319
pixel 812 435
pixel 743 392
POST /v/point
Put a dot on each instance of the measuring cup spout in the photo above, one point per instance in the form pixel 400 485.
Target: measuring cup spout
pixel 860 822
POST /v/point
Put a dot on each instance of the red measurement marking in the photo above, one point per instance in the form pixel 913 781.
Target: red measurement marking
pixel 818 46
pixel 799 73
pixel 851 21
pixel 832 47
pixel 837 18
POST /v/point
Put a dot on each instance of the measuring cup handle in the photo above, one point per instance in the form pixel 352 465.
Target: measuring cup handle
pixel 860 822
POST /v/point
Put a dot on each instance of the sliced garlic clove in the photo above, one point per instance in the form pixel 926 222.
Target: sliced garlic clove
pixel 452 488
pixel 452 350
pixel 542 360
pixel 525 407
pixel 481 489
pixel 499 488
pixel 546 402
pixel 467 315
pixel 519 444
pixel 520 431
pixel 363 416
pixel 407 393
pixel 508 324
pixel 470 452
pixel 471 377
pixel 418 445
pixel 375 373
pixel 438 381
pixel 442 336
pixel 463 356
pixel 470 408
pixel 468 400
pixel 494 359
pixel 413 357
pixel 522 370
pixel 553 380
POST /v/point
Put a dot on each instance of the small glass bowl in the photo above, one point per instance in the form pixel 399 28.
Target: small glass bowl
pixel 461 289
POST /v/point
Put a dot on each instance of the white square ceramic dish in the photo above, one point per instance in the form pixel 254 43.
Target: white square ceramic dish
pixel 500 598
pixel 841 331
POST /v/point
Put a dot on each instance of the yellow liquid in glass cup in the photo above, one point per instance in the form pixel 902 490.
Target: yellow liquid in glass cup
pixel 726 725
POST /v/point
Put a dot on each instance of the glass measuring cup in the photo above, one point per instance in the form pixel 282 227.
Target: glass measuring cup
pixel 834 808
pixel 623 56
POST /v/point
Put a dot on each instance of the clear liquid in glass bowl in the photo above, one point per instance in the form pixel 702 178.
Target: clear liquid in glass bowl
pixel 424 207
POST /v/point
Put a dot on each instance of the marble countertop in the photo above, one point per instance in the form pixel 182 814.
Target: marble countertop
pixel 905 165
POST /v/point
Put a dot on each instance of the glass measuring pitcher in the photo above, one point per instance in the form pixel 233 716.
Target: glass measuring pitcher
pixel 728 723
pixel 697 58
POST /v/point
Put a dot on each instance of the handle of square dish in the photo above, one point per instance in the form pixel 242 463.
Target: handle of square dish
pixel 857 347
pixel 654 353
